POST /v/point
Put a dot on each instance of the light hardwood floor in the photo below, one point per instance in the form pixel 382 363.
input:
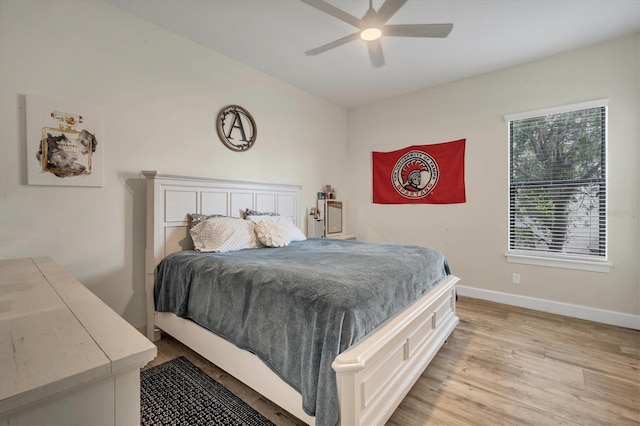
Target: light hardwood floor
pixel 503 366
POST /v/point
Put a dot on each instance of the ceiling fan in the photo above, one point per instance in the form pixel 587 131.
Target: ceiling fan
pixel 372 26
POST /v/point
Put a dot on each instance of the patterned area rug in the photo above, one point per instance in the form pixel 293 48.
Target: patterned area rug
pixel 179 393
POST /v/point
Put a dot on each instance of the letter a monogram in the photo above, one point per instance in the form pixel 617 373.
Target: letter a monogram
pixel 235 118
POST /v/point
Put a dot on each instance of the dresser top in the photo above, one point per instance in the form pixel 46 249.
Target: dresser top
pixel 55 334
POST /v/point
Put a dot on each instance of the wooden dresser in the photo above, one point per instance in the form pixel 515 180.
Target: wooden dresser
pixel 65 356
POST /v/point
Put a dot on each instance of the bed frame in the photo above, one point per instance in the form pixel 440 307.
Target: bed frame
pixel 373 376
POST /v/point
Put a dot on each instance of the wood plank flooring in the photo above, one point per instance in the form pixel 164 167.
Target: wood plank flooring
pixel 502 365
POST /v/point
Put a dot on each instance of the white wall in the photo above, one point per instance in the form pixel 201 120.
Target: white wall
pixel 160 95
pixel 474 235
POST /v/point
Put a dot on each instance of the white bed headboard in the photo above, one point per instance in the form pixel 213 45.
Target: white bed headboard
pixel 171 197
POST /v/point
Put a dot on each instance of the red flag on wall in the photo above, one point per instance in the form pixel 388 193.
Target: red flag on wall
pixel 420 174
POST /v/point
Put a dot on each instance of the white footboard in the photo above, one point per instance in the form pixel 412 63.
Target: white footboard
pixel 376 374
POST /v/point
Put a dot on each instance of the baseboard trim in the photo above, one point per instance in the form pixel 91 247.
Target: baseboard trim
pixel 575 311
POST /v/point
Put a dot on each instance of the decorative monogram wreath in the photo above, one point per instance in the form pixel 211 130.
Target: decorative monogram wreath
pixel 236 128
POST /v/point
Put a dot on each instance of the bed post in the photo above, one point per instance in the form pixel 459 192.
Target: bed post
pixel 153 333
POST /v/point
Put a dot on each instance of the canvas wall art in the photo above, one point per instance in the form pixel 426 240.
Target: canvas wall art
pixel 64 143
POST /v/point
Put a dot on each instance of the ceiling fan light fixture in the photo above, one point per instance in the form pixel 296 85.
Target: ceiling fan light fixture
pixel 373 26
pixel 370 34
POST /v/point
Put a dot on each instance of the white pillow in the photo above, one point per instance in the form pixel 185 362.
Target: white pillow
pixel 295 234
pixel 223 234
pixel 272 234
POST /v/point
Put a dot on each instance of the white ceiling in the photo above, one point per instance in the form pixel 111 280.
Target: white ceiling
pixel 272 36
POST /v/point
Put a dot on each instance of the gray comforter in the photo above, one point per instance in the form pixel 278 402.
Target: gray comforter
pixel 298 307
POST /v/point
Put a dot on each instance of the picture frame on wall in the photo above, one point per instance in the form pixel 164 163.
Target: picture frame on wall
pixel 64 143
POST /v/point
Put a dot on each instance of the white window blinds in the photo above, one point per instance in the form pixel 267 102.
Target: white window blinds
pixel 557 182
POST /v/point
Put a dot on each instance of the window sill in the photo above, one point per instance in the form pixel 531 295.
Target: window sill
pixel 556 262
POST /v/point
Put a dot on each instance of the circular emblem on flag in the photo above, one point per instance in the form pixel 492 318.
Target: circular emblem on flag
pixel 415 174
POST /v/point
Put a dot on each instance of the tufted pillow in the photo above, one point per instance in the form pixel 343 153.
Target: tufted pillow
pixel 222 234
pixel 250 212
pixel 295 234
pixel 272 234
pixel 196 218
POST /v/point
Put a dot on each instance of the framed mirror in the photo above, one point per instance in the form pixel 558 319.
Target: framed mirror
pixel 334 217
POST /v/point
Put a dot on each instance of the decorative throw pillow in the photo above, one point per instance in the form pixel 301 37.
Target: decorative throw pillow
pixel 196 218
pixel 295 234
pixel 223 234
pixel 272 234
pixel 250 212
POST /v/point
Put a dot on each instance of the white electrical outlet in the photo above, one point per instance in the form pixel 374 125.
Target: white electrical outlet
pixel 515 278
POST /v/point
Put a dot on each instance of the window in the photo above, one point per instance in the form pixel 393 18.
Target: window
pixel 558 187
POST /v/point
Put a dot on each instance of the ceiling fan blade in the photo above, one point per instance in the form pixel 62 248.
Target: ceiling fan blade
pixel 333 44
pixel 375 53
pixel 418 30
pixel 334 11
pixel 388 9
